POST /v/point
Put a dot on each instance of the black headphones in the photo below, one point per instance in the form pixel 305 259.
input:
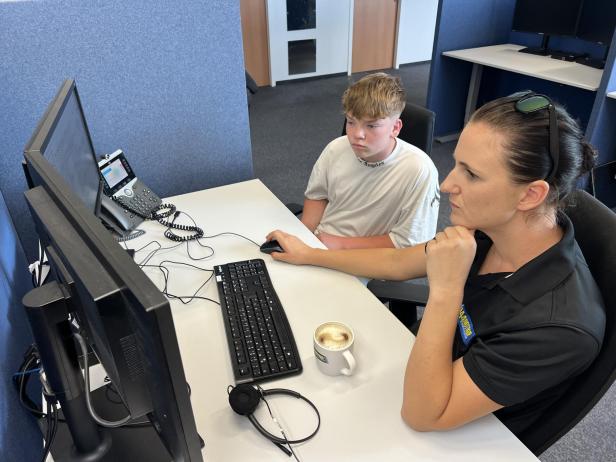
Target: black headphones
pixel 244 399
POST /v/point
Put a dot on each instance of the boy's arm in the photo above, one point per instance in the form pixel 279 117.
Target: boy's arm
pixel 340 242
pixel 313 212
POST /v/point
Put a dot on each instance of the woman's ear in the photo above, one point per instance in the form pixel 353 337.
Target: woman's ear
pixel 534 195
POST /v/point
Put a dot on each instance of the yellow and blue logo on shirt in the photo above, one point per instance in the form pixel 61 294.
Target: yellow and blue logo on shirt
pixel 465 324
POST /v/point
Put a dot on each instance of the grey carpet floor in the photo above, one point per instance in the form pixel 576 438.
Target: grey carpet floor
pixel 290 125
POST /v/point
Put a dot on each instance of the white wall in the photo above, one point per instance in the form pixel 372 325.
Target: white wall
pixel 416 31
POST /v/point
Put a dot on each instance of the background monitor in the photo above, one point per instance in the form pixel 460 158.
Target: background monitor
pixel 62 136
pixel 550 17
pixel 597 21
pixel 125 319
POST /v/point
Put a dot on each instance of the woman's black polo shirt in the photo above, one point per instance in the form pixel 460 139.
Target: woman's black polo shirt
pixel 524 336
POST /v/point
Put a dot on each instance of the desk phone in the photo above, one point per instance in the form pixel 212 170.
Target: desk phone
pixel 126 200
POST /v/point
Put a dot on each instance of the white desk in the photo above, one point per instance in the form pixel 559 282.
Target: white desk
pixel 360 414
pixel 612 94
pixel 508 58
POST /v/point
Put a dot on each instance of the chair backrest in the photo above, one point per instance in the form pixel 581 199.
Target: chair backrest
pixel 417 127
pixel 595 232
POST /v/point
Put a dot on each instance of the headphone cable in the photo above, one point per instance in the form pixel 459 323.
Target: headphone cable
pixel 290 450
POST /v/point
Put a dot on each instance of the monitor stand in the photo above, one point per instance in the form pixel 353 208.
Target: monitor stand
pixel 127 443
pixel 78 437
pixel 542 51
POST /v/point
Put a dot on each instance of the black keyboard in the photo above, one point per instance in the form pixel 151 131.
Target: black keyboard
pixel 261 344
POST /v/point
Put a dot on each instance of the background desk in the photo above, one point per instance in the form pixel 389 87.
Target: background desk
pixel 360 414
pixel 508 58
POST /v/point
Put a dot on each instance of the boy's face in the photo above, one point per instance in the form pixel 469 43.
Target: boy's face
pixel 372 139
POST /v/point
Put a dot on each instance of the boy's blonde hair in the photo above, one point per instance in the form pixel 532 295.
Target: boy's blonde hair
pixel 375 96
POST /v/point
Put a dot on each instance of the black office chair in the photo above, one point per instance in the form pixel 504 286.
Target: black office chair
pixel 595 232
pixel 417 129
pixel 402 297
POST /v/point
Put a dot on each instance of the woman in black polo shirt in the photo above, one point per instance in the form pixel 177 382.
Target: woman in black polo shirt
pixel 510 292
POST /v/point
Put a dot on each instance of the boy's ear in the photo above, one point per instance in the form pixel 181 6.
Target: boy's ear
pixel 397 127
pixel 534 195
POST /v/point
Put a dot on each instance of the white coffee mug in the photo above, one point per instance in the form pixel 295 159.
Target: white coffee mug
pixel 333 342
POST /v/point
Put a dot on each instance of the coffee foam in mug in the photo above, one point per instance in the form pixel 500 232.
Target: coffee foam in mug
pixel 333 337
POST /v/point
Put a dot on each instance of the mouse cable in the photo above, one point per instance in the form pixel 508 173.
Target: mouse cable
pixel 219 234
pixel 231 233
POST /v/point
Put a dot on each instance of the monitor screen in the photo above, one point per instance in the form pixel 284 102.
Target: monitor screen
pixel 122 315
pixel 62 136
pixel 597 21
pixel 550 17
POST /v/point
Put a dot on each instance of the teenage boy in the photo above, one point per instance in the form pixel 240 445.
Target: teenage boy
pixel 369 188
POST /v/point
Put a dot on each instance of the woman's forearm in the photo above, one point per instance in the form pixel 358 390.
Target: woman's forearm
pixel 390 264
pixel 429 373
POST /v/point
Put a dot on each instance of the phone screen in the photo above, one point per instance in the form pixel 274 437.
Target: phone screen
pixel 114 173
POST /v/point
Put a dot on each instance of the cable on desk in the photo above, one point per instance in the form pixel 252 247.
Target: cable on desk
pixel 145 262
pixel 128 237
pixel 219 234
pixel 284 435
pixel 230 233
pixel 182 298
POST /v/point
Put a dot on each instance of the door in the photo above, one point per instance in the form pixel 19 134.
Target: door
pixel 254 38
pixel 308 37
pixel 374 34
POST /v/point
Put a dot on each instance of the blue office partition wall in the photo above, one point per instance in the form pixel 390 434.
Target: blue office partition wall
pixel 461 24
pixel 20 437
pixel 162 80
pixel 603 118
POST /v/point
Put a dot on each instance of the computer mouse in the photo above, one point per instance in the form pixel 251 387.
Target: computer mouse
pixel 271 246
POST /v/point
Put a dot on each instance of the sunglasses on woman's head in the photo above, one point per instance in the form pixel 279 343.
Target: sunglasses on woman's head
pixel 529 102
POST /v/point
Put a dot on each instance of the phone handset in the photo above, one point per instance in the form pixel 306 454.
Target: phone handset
pixel 126 200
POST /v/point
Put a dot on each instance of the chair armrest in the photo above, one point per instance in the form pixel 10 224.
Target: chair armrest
pixel 415 292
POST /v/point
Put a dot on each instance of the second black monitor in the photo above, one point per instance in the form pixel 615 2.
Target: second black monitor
pixel 597 21
pixel 62 136
pixel 549 17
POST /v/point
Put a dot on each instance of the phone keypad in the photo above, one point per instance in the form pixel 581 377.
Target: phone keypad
pixel 140 200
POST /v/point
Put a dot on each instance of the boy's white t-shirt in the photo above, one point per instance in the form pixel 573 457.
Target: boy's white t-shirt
pixel 400 197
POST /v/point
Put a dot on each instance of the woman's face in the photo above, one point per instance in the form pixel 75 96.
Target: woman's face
pixel 480 189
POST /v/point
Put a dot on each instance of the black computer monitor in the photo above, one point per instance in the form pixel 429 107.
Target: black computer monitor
pixel 125 320
pixel 547 17
pixel 597 21
pixel 63 137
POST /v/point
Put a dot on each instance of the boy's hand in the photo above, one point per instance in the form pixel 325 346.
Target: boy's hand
pixel 295 251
